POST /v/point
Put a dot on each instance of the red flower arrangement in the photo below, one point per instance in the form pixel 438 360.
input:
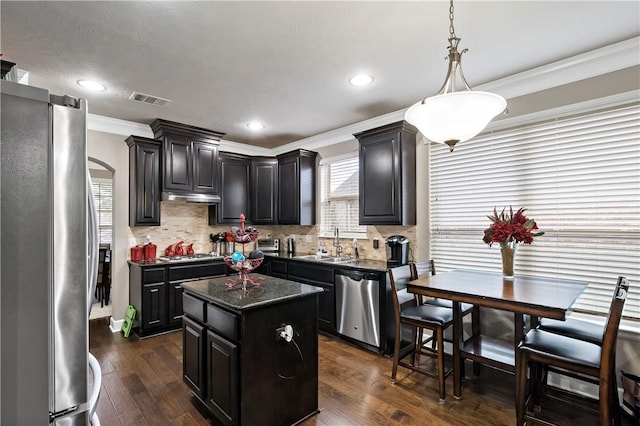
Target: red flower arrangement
pixel 510 227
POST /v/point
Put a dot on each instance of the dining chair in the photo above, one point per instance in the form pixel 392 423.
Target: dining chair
pixel 418 317
pixel 581 359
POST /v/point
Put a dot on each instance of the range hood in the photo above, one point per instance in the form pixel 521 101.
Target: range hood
pixel 191 197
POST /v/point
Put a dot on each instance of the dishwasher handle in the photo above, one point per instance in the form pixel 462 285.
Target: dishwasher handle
pixel 358 275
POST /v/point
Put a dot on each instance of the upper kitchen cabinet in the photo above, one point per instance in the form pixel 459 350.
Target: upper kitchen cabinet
pixel 235 183
pixel 144 181
pixel 189 161
pixel 264 190
pixel 297 188
pixel 388 175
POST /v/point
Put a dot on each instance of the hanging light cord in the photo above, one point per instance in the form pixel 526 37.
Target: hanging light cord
pixel 452 31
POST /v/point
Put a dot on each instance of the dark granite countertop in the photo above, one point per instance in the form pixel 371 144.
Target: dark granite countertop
pixel 161 262
pixel 271 290
pixel 370 265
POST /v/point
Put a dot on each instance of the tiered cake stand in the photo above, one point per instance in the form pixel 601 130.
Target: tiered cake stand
pixel 243 267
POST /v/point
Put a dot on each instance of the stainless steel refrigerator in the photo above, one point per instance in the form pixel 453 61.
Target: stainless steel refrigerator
pixel 48 257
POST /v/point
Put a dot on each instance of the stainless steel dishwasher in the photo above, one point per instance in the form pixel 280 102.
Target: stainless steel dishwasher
pixel 358 305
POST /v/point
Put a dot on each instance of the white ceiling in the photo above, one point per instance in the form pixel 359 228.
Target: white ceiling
pixel 287 64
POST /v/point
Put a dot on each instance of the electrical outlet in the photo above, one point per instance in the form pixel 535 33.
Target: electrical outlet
pixel 308 238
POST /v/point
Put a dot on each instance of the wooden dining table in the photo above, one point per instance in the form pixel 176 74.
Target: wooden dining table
pixel 522 295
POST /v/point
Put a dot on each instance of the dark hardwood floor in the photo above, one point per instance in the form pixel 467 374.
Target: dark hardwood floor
pixel 142 384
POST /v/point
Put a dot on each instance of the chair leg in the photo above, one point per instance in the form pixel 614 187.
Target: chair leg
pixel 396 353
pixel 521 387
pixel 440 354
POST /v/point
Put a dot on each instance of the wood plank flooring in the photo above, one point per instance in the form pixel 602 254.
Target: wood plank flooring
pixel 142 384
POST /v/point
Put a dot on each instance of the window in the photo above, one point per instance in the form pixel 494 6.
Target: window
pixel 339 202
pixel 102 193
pixel 579 178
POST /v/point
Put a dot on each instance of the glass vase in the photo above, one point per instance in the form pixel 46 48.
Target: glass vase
pixel 508 250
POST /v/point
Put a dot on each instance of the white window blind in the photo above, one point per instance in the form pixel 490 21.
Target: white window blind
pixel 578 177
pixel 102 193
pixel 339 202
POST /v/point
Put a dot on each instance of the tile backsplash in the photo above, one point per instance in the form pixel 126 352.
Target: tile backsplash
pixel 188 222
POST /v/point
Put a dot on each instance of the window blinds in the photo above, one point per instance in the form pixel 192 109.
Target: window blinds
pixel 579 179
pixel 339 199
pixel 102 193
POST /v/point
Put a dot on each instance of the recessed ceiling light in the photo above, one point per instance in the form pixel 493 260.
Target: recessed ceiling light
pixel 91 85
pixel 361 80
pixel 254 125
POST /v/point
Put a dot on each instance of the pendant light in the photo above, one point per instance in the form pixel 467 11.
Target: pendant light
pixel 452 116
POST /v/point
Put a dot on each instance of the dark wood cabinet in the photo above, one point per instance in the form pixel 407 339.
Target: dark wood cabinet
pixel 264 190
pixel 388 175
pixel 194 355
pixel 144 181
pixel 189 159
pixel 279 267
pixel 156 292
pixel 235 182
pixel 320 276
pixel 222 378
pixel 297 188
pixel 154 298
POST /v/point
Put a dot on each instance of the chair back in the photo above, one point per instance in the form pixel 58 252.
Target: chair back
pixel 398 278
pixel 423 268
pixel 612 325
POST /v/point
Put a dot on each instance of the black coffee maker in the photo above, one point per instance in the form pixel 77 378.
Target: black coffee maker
pixel 397 251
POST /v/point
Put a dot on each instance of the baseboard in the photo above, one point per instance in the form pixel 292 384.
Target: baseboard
pixel 115 325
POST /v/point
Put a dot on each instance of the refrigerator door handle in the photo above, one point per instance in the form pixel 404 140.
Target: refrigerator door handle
pixel 92 224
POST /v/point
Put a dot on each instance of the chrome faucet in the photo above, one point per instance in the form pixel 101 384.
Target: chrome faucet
pixel 336 242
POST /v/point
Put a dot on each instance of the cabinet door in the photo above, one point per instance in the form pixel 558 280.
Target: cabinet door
pixel 193 356
pixel 289 191
pixel 279 268
pixel 177 164
pixel 235 182
pixel 264 191
pixel 154 302
pixel 327 308
pixel 222 378
pixel 380 179
pixel 205 168
pixel 175 303
pixel 144 184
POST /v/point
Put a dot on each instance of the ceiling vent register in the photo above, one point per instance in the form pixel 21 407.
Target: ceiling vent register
pixel 148 99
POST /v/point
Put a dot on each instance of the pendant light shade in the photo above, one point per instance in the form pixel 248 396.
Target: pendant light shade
pixel 452 116
pixel 455 117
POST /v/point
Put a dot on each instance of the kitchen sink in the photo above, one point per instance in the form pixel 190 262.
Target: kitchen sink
pixel 324 259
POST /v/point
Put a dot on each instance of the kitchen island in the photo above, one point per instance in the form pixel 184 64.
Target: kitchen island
pixel 251 356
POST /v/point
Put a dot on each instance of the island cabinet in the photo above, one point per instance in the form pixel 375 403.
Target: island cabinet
pixel 387 175
pixel 251 357
pixel 320 276
pixel 189 159
pixel 264 190
pixel 155 290
pixel 297 188
pixel 144 181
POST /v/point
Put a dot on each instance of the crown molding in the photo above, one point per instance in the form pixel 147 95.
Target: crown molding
pixel 600 61
pixel 100 123
pixel 597 62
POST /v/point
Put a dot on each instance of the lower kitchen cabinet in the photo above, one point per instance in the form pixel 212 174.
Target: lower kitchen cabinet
pixel 156 292
pixel 279 268
pixel 319 276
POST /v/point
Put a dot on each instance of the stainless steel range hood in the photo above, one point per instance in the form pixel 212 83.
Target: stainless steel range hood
pixel 191 197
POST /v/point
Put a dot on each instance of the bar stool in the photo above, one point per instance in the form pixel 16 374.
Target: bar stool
pixel 546 349
pixel 418 317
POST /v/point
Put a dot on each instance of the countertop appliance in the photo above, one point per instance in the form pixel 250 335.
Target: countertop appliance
pixel 268 245
pixel 397 251
pixel 358 305
pixel 291 245
pixel 47 216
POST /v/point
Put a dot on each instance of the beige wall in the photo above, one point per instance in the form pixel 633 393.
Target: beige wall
pixel 112 151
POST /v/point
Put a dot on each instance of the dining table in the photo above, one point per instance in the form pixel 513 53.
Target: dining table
pixel 522 294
